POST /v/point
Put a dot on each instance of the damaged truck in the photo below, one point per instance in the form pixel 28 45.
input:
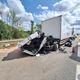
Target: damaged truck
pixel 55 32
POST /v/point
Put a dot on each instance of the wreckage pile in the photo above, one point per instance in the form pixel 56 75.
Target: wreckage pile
pixel 39 43
pixel 35 44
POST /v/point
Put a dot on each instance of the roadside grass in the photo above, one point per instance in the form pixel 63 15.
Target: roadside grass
pixel 13 43
pixel 9 43
pixel 78 39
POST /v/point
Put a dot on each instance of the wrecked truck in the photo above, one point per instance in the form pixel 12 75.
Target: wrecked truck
pixel 55 32
pixel 38 43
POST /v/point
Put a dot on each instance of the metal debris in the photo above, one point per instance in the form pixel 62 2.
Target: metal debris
pixel 40 44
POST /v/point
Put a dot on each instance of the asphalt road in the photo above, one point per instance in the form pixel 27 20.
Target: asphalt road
pixel 53 66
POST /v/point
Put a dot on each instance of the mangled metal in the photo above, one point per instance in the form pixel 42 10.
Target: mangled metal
pixel 38 43
pixel 27 40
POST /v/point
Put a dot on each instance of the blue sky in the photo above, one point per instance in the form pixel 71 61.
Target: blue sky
pixel 43 9
pixel 39 10
pixel 31 5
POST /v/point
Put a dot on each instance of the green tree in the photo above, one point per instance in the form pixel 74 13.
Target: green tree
pixel 13 19
pixel 5 31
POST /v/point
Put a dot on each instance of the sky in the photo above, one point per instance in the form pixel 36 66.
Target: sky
pixel 39 10
pixel 31 5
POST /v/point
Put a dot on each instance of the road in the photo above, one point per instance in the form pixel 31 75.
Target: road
pixel 53 66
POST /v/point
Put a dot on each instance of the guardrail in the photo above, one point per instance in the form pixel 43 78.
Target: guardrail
pixel 9 43
pixel 14 40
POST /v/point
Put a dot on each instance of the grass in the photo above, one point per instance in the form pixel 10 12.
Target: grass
pixel 4 44
pixel 78 39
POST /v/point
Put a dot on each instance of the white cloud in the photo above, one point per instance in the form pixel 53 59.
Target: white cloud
pixel 18 7
pixel 20 11
pixel 76 12
pixel 27 25
pixel 25 16
pixel 46 15
pixel 71 9
pixel 3 8
pixel 63 5
pixel 42 7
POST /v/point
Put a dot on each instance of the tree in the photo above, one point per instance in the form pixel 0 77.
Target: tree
pixel 0 13
pixel 8 18
pixel 5 31
pixel 13 18
pixel 32 24
pixel 38 27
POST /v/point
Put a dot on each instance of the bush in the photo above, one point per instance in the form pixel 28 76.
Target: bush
pixel 9 32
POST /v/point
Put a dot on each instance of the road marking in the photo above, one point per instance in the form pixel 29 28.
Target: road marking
pixel 78 72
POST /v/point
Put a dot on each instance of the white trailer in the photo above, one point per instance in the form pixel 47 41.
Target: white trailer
pixel 58 27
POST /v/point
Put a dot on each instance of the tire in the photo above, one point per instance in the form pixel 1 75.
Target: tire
pixel 68 44
pixel 55 47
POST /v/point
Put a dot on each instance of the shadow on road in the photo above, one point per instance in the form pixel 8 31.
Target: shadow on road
pixel 16 54
pixel 75 57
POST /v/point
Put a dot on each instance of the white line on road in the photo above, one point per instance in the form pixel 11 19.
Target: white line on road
pixel 78 72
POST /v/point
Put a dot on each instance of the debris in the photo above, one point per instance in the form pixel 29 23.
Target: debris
pixel 37 44
pixel 28 39
pixel 29 52
pixel 68 43
pixel 7 45
pixel 37 55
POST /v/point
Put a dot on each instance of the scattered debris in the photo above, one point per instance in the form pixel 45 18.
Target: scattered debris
pixel 37 55
pixel 37 44
pixel 7 45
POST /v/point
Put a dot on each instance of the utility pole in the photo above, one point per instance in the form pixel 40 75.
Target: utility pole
pixel 72 31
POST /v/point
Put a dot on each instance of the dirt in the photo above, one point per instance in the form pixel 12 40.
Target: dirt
pixel 7 50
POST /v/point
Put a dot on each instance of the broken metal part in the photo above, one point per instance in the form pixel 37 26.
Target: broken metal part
pixel 39 43
pixel 27 39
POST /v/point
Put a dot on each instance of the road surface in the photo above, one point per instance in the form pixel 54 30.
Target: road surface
pixel 53 66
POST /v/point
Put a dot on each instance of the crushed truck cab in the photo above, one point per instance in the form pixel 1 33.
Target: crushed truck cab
pixel 38 43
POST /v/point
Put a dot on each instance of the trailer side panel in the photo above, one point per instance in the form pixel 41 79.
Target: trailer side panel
pixel 66 30
pixel 52 27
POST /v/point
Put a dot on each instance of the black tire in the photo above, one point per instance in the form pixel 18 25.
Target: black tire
pixel 55 47
pixel 68 44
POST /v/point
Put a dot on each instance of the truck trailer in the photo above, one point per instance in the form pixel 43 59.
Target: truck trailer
pixel 58 27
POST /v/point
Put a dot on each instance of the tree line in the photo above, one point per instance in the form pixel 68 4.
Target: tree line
pixel 10 27
pixel 9 32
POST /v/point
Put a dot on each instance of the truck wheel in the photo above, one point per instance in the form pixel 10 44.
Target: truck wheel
pixel 68 44
pixel 55 47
